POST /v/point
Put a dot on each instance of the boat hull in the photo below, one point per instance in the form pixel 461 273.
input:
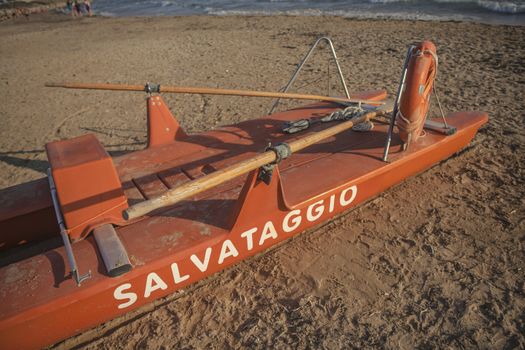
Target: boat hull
pixel 175 247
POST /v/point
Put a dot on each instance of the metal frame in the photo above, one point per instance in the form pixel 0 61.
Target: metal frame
pixel 63 232
pixel 112 251
pixel 396 103
pixel 302 63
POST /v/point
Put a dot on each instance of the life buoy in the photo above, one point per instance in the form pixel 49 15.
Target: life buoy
pixel 415 97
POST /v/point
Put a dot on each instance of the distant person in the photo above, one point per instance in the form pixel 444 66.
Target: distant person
pixel 69 7
pixel 87 7
pixel 77 8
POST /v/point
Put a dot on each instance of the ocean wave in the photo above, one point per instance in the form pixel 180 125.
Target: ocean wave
pixel 105 14
pixel 387 1
pixel 339 13
pixel 503 7
pixel 507 7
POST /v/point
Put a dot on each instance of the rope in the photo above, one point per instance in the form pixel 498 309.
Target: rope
pixel 292 127
pixel 350 112
pixel 435 90
pixel 440 108
pixel 344 114
pixel 282 151
pixel 410 125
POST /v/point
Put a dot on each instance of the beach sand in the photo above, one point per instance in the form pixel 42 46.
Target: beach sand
pixel 436 262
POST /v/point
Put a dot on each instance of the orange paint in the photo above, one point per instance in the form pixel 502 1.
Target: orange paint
pixel 163 128
pixel 179 245
pixel 88 186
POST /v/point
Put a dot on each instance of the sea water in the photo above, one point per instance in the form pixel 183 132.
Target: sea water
pixel 487 11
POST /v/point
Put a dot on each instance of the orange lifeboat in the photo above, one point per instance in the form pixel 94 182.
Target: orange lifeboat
pixel 415 99
pixel 85 200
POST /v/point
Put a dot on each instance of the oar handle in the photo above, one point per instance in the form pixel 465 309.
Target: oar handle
pixel 97 86
pixel 206 91
pixel 204 183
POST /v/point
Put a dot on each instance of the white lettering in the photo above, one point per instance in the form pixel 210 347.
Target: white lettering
pixel 227 250
pixel 296 221
pixel 130 296
pixel 177 278
pixel 332 203
pixel 202 265
pixel 291 222
pixel 268 232
pixel 249 237
pixel 319 210
pixel 153 283
pixel 344 202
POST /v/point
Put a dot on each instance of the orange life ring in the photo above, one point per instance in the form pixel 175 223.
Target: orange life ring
pixel 415 97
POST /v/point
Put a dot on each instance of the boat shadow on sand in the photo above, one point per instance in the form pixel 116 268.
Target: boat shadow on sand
pixel 358 144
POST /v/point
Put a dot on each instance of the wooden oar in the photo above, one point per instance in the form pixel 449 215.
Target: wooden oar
pixel 204 183
pixel 206 91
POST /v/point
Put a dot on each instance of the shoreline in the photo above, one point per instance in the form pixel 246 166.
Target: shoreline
pixel 51 15
pixel 357 18
pixel 57 7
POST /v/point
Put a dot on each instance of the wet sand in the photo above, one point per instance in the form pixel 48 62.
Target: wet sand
pixel 437 262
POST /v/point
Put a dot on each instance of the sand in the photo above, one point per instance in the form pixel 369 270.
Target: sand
pixel 437 262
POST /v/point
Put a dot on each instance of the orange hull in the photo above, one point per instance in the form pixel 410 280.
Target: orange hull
pixel 182 244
